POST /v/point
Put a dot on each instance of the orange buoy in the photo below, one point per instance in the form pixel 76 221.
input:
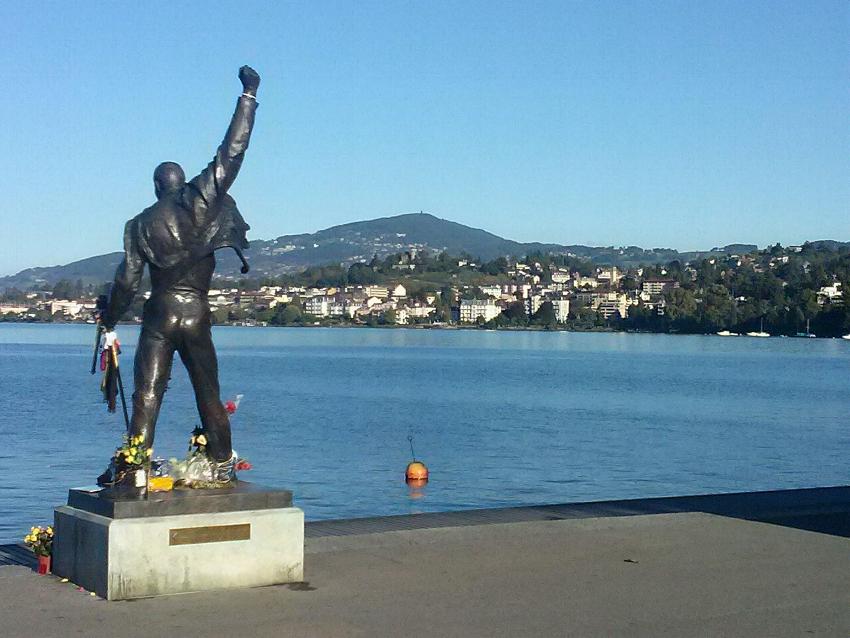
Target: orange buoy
pixel 416 471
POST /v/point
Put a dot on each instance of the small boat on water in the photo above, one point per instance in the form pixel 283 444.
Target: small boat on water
pixel 807 333
pixel 726 333
pixel 846 337
pixel 760 333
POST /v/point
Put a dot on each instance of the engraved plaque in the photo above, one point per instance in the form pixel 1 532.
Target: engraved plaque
pixel 209 534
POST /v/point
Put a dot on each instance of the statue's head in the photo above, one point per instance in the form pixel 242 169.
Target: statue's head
pixel 168 177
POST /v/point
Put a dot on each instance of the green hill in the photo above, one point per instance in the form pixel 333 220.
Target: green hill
pixel 359 241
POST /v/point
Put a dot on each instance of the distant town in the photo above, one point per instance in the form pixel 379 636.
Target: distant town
pixel 794 291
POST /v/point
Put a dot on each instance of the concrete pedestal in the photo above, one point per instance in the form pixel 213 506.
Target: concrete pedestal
pixel 223 539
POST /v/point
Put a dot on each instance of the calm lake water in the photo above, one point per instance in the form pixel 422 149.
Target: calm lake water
pixel 501 418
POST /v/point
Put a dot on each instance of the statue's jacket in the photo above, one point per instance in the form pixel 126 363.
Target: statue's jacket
pixel 178 235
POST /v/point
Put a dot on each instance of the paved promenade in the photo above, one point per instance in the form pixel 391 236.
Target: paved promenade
pixel 678 571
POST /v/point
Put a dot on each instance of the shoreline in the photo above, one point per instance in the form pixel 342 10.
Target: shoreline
pixel 544 329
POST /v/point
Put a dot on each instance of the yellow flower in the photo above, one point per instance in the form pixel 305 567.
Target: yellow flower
pixel 132 450
pixel 50 529
pixel 149 452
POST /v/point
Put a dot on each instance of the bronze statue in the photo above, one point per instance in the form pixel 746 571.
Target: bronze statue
pixel 176 237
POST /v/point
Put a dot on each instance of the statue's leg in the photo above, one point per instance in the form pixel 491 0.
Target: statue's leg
pixel 151 371
pixel 198 354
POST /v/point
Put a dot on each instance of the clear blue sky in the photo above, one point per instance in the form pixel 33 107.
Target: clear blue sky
pixel 681 124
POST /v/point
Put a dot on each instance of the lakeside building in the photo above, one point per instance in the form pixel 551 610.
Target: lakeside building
pixel 613 308
pixel 256 300
pixel 280 298
pixel 14 309
pixel 833 294
pixel 595 298
pixel 382 292
pixel 609 276
pixel 318 306
pixel 271 290
pixel 513 289
pixel 219 301
pixel 658 286
pixel 584 282
pixel 532 304
pixel 420 311
pixel 342 309
pixel 472 309
pixel 69 308
pixel 562 309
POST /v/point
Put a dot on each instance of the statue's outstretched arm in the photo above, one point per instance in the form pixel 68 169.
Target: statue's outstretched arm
pixel 128 276
pixel 205 191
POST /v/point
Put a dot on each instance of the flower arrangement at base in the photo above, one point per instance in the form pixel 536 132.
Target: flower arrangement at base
pixel 130 464
pixel 199 470
pixel 40 540
pixel 133 453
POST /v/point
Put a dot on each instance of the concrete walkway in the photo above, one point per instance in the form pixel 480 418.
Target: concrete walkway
pixel 668 574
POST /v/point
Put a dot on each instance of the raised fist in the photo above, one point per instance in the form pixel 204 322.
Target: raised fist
pixel 250 80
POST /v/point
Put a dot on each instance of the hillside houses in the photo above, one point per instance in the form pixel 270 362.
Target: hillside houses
pixel 783 288
pixel 524 284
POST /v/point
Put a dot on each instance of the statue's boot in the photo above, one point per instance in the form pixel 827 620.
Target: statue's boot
pixel 225 471
pixel 114 478
pixel 107 479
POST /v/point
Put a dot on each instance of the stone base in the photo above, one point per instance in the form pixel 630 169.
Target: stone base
pixel 124 558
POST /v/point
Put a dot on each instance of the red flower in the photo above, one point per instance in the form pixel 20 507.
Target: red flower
pixel 243 465
pixel 230 406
